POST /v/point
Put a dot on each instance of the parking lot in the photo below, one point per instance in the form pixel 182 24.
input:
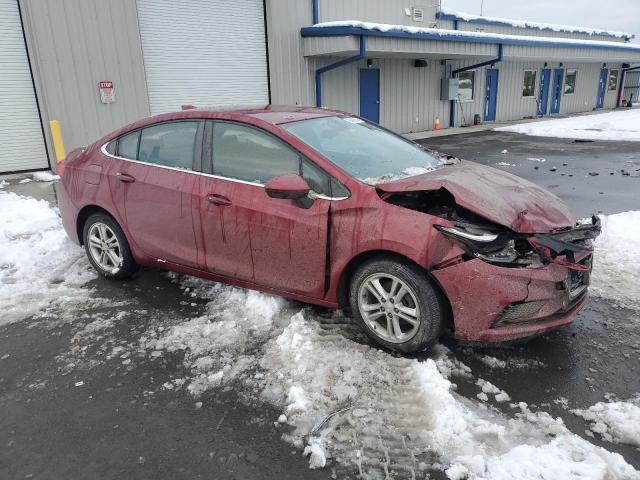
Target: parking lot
pixel 119 380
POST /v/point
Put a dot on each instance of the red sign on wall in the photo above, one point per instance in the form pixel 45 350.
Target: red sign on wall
pixel 106 91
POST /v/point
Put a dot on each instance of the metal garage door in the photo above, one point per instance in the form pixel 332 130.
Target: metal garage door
pixel 203 52
pixel 21 141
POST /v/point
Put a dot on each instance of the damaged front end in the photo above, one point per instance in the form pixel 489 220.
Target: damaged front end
pixel 510 249
pixel 497 244
pixel 506 284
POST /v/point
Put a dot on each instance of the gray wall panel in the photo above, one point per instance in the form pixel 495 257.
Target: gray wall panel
pixel 74 44
pixel 378 11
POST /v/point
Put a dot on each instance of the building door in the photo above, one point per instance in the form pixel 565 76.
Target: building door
pixel 556 92
pixel 370 94
pixel 21 140
pixel 543 97
pixel 602 87
pixel 204 53
pixel 491 95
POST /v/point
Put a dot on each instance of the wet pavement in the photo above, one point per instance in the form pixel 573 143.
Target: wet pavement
pixel 119 424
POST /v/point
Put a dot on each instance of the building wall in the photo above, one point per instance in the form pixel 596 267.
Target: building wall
pixel 377 11
pixel 74 44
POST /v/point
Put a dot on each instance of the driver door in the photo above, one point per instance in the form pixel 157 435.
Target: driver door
pixel 280 243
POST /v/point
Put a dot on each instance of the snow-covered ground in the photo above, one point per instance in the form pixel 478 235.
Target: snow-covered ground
pixel 40 269
pixel 617 422
pixel 616 269
pixel 623 125
pixel 397 417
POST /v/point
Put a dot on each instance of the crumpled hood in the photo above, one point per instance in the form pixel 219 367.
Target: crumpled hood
pixel 498 196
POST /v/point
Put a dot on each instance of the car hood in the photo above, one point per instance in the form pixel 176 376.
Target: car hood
pixel 498 196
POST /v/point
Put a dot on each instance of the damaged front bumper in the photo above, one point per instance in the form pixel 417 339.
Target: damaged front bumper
pixel 498 303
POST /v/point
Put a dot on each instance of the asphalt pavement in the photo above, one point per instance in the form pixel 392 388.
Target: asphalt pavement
pixel 100 420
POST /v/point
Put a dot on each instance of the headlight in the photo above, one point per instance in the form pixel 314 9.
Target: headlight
pixel 492 245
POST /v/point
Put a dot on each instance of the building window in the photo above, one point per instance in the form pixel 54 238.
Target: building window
pixel 466 85
pixel 613 80
pixel 529 84
pixel 570 82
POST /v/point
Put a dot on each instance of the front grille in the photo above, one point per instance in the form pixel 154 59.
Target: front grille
pixel 518 312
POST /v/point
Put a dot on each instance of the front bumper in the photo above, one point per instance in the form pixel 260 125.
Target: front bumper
pixel 498 304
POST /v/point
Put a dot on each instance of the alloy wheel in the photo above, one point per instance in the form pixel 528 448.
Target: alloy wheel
pixel 389 307
pixel 105 247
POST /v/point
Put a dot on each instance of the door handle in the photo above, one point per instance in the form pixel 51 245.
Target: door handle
pixel 220 200
pixel 125 178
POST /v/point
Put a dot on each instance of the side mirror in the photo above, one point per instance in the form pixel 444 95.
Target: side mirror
pixel 289 187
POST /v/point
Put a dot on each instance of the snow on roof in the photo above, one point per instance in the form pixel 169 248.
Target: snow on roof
pixel 467 17
pixel 356 27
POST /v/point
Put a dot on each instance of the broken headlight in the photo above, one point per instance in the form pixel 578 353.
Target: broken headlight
pixel 492 244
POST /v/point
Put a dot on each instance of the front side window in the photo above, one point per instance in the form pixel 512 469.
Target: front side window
pixel 169 144
pixel 363 150
pixel 529 83
pixel 246 153
pixel 128 145
pixel 613 80
pixel 466 86
pixel 570 82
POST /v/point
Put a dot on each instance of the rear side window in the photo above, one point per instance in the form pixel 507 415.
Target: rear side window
pixel 245 153
pixel 128 146
pixel 169 144
pixel 112 147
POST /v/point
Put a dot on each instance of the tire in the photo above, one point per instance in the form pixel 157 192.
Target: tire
pixel 421 303
pixel 106 234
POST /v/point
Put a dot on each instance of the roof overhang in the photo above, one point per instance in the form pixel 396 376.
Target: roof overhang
pixel 454 16
pixel 340 39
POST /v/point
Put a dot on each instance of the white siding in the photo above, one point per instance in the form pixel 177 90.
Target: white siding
pixel 203 53
pixel 21 141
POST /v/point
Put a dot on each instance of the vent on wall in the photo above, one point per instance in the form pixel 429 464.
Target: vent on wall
pixel 418 14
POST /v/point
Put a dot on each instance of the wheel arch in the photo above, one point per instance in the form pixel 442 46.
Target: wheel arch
pixel 84 213
pixel 347 274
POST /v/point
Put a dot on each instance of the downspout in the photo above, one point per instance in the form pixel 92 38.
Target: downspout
pixel 622 81
pixel 455 73
pixel 316 16
pixel 361 56
pixel 452 103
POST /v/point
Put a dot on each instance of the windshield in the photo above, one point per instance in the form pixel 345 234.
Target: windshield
pixel 365 151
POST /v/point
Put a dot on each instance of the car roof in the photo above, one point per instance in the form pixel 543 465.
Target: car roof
pixel 273 114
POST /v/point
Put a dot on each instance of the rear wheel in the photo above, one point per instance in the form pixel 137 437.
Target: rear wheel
pixel 107 247
pixel 396 305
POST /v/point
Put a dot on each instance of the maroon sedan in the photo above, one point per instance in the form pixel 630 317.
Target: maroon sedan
pixel 326 208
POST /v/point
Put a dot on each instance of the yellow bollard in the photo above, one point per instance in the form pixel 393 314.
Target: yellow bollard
pixel 56 137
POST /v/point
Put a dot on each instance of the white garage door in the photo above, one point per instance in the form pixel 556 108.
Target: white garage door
pixel 21 142
pixel 203 52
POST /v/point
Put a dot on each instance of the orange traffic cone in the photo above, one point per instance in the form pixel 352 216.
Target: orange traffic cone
pixel 436 126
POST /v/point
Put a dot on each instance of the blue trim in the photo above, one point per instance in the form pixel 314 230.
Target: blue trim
pixel 361 55
pixel 316 15
pixel 320 31
pixel 484 21
pixel 452 116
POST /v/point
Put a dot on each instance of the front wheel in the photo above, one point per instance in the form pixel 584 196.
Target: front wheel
pixel 396 305
pixel 107 247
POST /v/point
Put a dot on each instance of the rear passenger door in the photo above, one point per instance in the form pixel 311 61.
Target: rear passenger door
pixel 249 235
pixel 155 183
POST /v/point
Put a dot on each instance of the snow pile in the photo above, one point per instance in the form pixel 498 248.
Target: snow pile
pixel 468 17
pixel 616 422
pixel 497 37
pixel 40 269
pixel 45 176
pixel 616 269
pixel 619 125
pixel 403 412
